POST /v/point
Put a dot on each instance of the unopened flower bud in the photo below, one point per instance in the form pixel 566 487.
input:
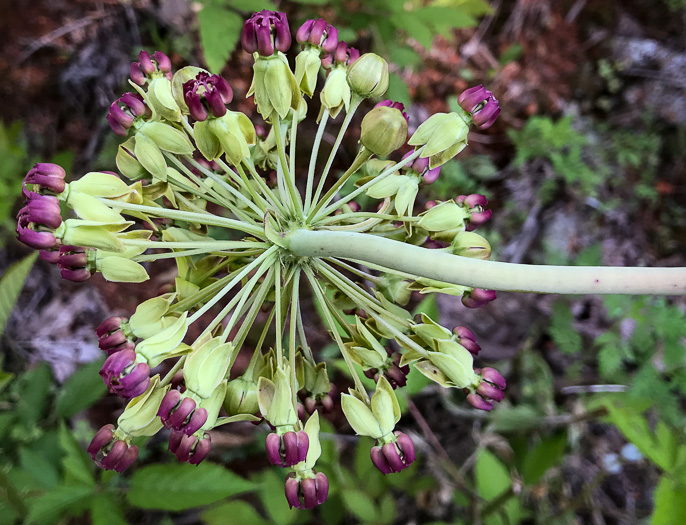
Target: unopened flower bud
pixel 467 339
pixel 149 67
pixel 318 33
pixel 306 492
pixel 110 453
pixel 481 105
pixel 112 338
pixel 470 244
pixel 46 176
pixel 181 414
pixel 368 76
pixel 384 130
pixel 74 264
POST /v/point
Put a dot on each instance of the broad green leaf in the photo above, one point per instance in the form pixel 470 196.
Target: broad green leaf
pixel 562 329
pixel 404 56
pixel 492 480
pixel 78 468
pixel 11 284
pixel 220 30
pixel 387 510
pixel 277 507
pixel 360 505
pixel 183 486
pixel 33 392
pixel 39 467
pixel 670 496
pixel 546 454
pixel 234 512
pixel 83 388
pixel 106 510
pixel 51 505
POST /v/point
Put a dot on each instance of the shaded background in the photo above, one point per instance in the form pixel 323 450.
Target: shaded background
pixel 584 166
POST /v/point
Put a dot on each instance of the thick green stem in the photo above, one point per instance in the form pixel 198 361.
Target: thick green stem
pixel 443 266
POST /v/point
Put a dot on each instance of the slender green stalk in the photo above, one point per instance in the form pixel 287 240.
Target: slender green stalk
pixel 200 218
pixel 356 215
pixel 295 300
pixel 266 256
pixel 266 190
pixel 356 271
pixel 448 268
pixel 334 150
pixel 171 255
pixel 288 178
pixel 303 337
pixel 386 173
pixel 313 159
pixel 251 316
pixel 292 150
pixel 279 317
pixel 170 375
pixel 209 245
pixel 319 294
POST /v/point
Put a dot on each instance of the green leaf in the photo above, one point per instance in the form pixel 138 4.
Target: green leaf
pixel 39 467
pixel 546 454
pixel 234 512
pixel 669 502
pixel 78 468
pixel 277 507
pixel 492 477
pixel 562 329
pixel 360 505
pixel 33 392
pixel 404 56
pixel 387 510
pixel 83 388
pixel 220 30
pixel 250 6
pixel 414 27
pixel 51 505
pixel 106 510
pixel 183 486
pixel 11 284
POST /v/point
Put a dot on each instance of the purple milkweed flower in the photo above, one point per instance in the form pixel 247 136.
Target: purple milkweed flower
pixel 343 55
pixel 40 215
pixel 394 457
pixel 112 338
pixel 111 453
pixel 124 376
pixel 490 389
pixel 50 256
pixel 481 105
pixel 287 450
pixel 306 493
pixel 73 263
pixel 318 33
pixel 46 176
pixel 266 32
pixel 478 298
pixel 124 110
pixel 147 66
pixel 467 339
pixel 213 90
pixel 181 414
pixel 192 449
pixel 421 166
pixel 477 214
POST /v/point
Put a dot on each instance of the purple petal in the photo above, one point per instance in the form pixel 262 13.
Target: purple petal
pixel 169 402
pixel 380 461
pixel 273 446
pixel 322 483
pixel 479 402
pixel 127 459
pixel 309 490
pixel 102 438
pixel 292 488
pixel 197 420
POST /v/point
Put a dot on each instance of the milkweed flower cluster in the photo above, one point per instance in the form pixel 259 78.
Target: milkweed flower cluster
pixel 199 184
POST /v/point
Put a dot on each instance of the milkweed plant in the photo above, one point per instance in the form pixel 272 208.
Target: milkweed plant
pixel 251 228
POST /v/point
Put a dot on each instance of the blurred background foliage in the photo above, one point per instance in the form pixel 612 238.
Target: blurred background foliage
pixel 585 166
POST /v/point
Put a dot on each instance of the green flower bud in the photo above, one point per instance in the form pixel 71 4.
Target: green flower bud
pixel 388 186
pixel 376 420
pixel 404 199
pixel 316 380
pixel 430 331
pixel 365 349
pixel 120 269
pixel 90 208
pixel 167 138
pixel 127 163
pixel 335 95
pixel 384 130
pixel 368 76
pixel 140 415
pixel 446 216
pixel 458 371
pixel 92 234
pixel 443 134
pixel 470 244
pixel 241 397
pixel 149 155
pixel 148 319
pixel 165 344
pixel 100 185
pixel 162 100
pixel 307 65
pixel 207 366
pixel 395 289
pixel 424 286
pixel 235 133
pixel 274 86
pixel 274 398
pixel 207 142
